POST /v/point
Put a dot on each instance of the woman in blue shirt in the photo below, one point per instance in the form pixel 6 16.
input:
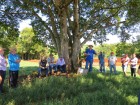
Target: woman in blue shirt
pixel 14 61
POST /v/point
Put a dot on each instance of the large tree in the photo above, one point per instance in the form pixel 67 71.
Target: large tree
pixel 65 22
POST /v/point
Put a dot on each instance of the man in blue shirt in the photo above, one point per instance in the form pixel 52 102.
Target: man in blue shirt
pixel 14 61
pixel 101 61
pixel 89 53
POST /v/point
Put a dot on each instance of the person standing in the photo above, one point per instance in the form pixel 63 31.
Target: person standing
pixel 89 53
pixel 133 65
pixel 101 57
pixel 125 61
pixel 50 61
pixel 14 64
pixel 3 64
pixel 112 62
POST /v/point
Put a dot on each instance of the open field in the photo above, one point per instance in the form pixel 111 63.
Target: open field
pixel 91 89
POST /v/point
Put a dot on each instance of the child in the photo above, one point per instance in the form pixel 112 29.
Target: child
pixel 43 66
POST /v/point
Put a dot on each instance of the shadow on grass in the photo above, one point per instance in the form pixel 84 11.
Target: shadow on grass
pixel 92 89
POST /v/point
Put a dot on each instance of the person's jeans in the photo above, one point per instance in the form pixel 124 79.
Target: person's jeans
pixel 113 67
pixel 13 79
pixel 40 71
pixel 62 68
pixel 133 72
pixel 89 63
pixel 52 66
pixel 2 74
pixel 102 67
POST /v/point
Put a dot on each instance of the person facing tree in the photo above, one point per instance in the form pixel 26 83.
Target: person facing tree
pixel 101 57
pixel 14 64
pixel 112 62
pixel 3 64
pixel 89 53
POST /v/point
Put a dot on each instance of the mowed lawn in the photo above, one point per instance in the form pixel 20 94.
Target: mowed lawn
pixel 91 89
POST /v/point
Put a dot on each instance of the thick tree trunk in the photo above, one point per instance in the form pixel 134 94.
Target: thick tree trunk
pixel 75 55
pixel 64 46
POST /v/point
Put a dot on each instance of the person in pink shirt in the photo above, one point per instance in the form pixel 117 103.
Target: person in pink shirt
pixel 125 61
pixel 3 64
pixel 61 65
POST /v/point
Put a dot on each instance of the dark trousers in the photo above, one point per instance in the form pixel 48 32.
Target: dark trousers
pixel 133 72
pixel 62 68
pixel 13 79
pixel 2 74
pixel 40 70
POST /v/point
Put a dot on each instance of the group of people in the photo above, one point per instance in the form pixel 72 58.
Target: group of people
pixel 13 60
pixel 112 60
pixel 47 64
pixel 14 65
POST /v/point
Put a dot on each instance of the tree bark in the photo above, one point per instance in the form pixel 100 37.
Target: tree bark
pixel 64 45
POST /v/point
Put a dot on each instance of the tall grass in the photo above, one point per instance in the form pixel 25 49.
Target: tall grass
pixel 92 89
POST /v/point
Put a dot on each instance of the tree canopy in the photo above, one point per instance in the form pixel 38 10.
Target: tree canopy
pixel 63 23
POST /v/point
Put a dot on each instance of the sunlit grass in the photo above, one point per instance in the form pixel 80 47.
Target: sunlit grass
pixel 91 89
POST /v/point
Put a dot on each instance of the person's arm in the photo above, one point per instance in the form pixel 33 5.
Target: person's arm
pixel 115 60
pixel 1 63
pixel 99 57
pixel 48 60
pixel 10 59
pixel 18 60
pixel 57 62
pixel 40 65
pixel 108 61
pixel 86 52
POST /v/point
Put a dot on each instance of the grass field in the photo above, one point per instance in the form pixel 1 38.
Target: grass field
pixel 91 89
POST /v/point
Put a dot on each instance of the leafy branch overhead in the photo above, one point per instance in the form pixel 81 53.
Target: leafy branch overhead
pixel 63 23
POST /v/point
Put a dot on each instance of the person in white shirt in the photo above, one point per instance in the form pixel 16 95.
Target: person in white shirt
pixel 112 62
pixel 3 65
pixel 133 65
pixel 51 63
pixel 61 65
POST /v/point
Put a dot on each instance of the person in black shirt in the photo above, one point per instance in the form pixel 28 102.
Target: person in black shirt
pixel 43 66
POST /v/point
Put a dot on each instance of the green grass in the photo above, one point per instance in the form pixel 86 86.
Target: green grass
pixel 92 89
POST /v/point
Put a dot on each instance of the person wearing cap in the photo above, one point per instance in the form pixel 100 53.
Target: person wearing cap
pixel 61 65
pixel 89 53
pixel 14 64
pixel 112 62
pixel 125 61
pixel 101 57
pixel 50 61
pixel 133 65
pixel 3 65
